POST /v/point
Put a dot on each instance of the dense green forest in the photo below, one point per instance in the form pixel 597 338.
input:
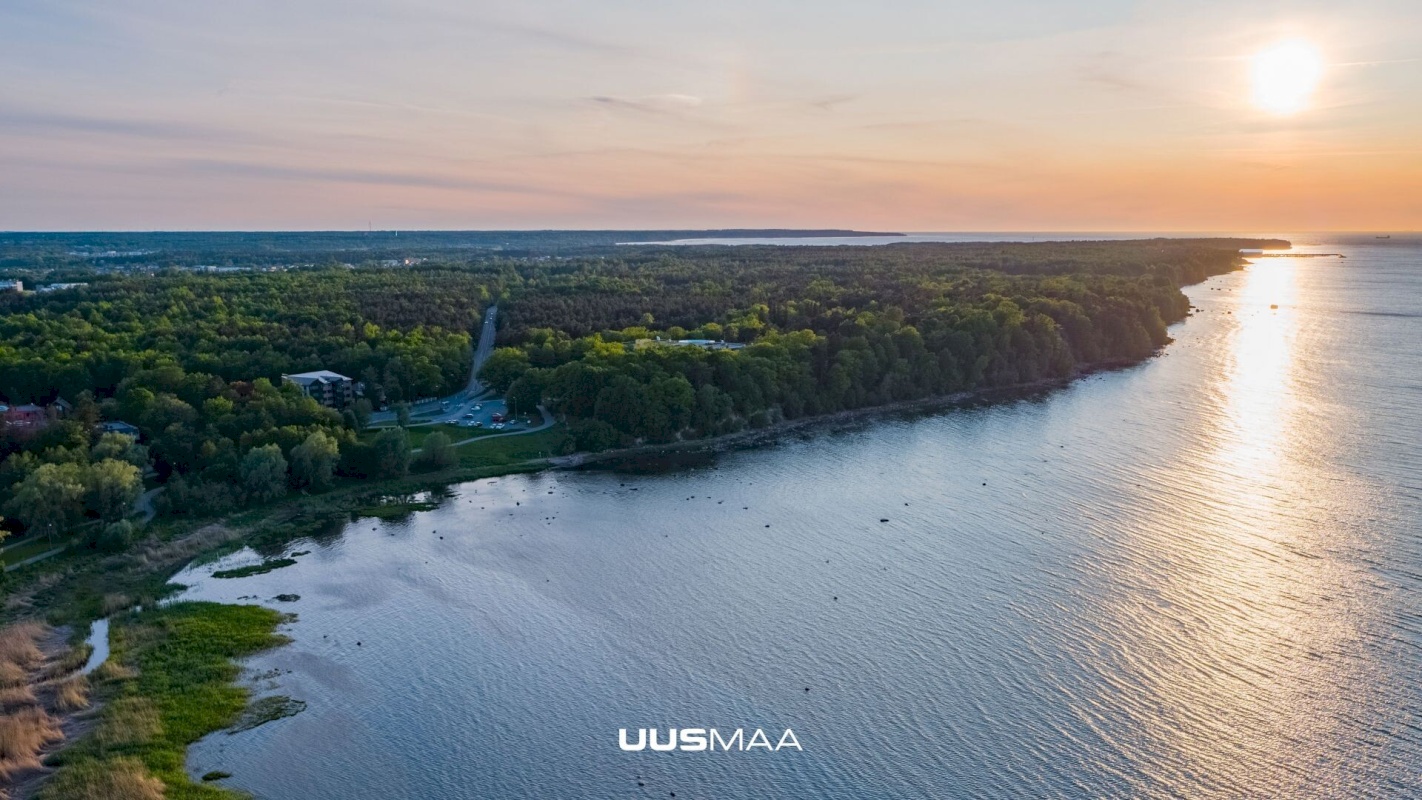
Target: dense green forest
pixel 828 329
pixel 194 359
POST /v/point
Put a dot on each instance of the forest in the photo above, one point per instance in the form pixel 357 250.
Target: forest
pixel 194 359
pixel 827 329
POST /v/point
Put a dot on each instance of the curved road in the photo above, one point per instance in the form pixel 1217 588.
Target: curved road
pixel 546 423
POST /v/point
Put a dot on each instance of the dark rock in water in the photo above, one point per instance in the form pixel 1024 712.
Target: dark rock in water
pixel 216 775
pixel 288 598
pixel 883 519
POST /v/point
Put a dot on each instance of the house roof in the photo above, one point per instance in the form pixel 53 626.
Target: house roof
pixel 320 375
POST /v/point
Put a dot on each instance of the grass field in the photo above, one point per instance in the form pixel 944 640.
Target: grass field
pixel 507 450
pixel 419 432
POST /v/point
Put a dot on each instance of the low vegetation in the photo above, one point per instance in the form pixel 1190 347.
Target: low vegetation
pixel 255 569
pixel 177 686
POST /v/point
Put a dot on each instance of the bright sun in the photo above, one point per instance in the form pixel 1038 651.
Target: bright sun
pixel 1284 76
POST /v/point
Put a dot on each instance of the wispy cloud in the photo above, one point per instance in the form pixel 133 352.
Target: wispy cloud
pixel 650 104
pixel 41 123
pixel 245 169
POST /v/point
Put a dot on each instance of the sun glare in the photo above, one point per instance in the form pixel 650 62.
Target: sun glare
pixel 1285 76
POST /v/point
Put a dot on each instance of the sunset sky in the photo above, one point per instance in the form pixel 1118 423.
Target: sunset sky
pixel 912 115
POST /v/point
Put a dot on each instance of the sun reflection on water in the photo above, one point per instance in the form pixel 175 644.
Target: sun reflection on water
pixel 1257 386
pixel 1232 686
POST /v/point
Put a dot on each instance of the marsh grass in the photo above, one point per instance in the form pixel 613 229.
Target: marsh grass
pixel 116 779
pixel 19 646
pixel 176 686
pixel 72 694
pixel 395 510
pixel 112 672
pixel 114 603
pixel 255 569
pixel 26 728
pixel 24 733
pixel 14 696
pixel 128 722
pixel 73 659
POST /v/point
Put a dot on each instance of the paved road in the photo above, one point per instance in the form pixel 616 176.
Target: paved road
pixel 482 351
pixel 456 405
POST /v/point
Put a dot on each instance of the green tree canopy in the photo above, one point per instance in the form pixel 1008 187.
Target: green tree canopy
pixel 313 462
pixel 264 473
pixel 392 453
pixel 50 500
pixel 111 487
pixel 437 452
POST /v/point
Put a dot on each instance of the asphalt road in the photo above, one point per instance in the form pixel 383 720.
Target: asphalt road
pixel 454 407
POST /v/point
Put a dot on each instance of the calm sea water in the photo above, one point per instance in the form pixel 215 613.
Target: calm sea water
pixel 1200 577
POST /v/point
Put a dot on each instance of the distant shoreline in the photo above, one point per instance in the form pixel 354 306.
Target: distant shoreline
pixel 753 437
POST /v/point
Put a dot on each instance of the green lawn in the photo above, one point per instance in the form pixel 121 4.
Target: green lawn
pixel 512 449
pixel 419 432
pixel 26 549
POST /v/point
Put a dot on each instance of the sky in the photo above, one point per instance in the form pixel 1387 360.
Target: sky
pixel 908 115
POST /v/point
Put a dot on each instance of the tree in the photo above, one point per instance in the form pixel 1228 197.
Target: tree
pixel 503 367
pixel 313 462
pixel 86 410
pixel 593 435
pixel 525 393
pixel 121 447
pixel 50 500
pixel 264 473
pixel 402 414
pixel 111 487
pixel 392 453
pixel 437 452
pixel 116 536
pixel 362 410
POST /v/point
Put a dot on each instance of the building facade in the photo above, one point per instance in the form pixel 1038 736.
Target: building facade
pixel 330 389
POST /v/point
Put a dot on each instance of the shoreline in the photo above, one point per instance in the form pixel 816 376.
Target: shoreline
pixel 752 437
pixel 173 543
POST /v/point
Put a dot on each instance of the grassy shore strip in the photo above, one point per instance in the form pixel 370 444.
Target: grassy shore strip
pixel 168 682
pixel 255 569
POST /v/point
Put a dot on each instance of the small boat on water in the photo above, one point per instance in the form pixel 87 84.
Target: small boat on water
pixel 1383 237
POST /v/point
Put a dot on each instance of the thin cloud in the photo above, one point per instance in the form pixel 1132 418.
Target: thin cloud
pixel 829 103
pixel 651 104
pixel 48 124
pixel 360 176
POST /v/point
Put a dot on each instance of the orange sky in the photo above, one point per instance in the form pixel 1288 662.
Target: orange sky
pixel 1014 115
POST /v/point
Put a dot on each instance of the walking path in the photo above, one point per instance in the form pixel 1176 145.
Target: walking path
pixel 144 505
pixel 32 559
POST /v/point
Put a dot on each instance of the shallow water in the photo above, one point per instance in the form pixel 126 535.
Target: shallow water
pixel 99 640
pixel 1196 577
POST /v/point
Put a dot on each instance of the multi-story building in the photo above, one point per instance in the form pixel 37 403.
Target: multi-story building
pixel 328 388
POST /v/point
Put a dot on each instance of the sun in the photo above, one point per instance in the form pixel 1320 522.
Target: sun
pixel 1284 76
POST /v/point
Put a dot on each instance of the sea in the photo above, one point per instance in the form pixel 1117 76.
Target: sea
pixel 1198 577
